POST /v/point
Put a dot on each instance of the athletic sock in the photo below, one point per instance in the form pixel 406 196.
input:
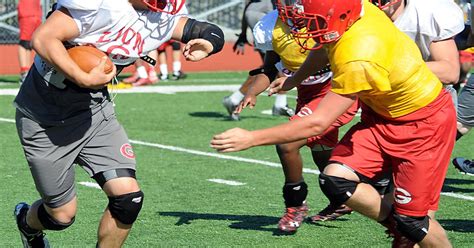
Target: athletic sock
pixel 236 97
pixel 176 68
pixel 280 101
pixel 142 73
pixel 164 70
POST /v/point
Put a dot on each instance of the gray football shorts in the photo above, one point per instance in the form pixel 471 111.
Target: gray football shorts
pixel 466 104
pixel 97 144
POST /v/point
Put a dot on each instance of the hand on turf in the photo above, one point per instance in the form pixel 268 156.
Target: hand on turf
pixel 281 85
pixel 249 100
pixel 232 140
pixel 197 49
pixel 97 78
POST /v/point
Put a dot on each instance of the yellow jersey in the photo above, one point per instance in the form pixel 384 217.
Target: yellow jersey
pixel 382 65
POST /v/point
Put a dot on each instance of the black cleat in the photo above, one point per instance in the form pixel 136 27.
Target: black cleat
pixel 35 240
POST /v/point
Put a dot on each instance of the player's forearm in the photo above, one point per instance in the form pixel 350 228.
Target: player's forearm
pixel 289 132
pixel 53 51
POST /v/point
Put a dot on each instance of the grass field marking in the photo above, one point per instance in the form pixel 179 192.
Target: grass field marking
pixel 216 155
pixel 90 185
pixel 226 182
pixel 464 197
pixel 7 120
pixel 240 159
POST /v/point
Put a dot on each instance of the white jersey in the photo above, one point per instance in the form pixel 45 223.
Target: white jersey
pixel 263 35
pixel 426 21
pixel 117 29
pixel 112 26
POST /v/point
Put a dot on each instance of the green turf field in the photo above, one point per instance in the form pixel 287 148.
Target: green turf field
pixel 183 208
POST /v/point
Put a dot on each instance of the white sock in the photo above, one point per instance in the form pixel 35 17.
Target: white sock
pixel 164 70
pixel 176 67
pixel 236 97
pixel 280 101
pixel 142 73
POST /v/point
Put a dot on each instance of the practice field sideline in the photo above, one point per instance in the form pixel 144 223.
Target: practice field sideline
pixel 197 197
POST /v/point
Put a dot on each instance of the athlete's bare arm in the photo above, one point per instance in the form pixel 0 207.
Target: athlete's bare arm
pixel 260 82
pixel 316 61
pixel 445 61
pixel 48 40
pixel 195 49
pixel 332 106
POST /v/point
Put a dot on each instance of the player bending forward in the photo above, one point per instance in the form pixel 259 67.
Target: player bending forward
pixel 284 56
pixel 65 115
pixel 408 121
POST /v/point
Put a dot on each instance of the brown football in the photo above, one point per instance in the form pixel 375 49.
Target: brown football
pixel 88 57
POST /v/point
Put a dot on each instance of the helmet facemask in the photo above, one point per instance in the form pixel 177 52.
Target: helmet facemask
pixel 165 6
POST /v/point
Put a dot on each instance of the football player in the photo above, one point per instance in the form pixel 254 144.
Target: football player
pixel 65 115
pixel 284 56
pixel 253 12
pixel 433 29
pixel 407 127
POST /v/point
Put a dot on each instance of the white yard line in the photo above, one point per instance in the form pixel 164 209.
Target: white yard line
pixel 226 182
pixel 240 159
pixel 90 185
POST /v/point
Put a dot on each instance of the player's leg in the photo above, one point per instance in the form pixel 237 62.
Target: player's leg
pixel 280 106
pixel 162 62
pixel 152 75
pixel 125 202
pixel 176 55
pixel 27 26
pixel 112 165
pixel 231 101
pixel 465 122
pixel 295 189
pixel 53 174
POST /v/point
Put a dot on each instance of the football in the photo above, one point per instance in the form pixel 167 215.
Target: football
pixel 88 57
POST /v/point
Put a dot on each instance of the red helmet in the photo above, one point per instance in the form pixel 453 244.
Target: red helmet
pixel 324 20
pixel 162 5
pixel 383 4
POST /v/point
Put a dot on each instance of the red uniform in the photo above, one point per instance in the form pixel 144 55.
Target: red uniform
pixel 29 17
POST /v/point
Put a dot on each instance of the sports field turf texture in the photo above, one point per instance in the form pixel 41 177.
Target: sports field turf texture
pixel 183 206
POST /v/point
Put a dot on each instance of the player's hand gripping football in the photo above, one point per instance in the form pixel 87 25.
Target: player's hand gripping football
pixel 97 78
pixel 197 49
pixel 232 140
pixel 281 85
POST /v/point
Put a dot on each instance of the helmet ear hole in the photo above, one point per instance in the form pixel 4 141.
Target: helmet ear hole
pixel 343 17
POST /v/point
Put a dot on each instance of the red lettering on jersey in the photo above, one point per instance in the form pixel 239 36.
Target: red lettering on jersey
pixel 103 38
pixel 125 39
pixel 111 50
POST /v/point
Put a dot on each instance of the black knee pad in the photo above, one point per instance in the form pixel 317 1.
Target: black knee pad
pixel 414 228
pixel 337 189
pixel 176 46
pixel 48 222
pixel 125 208
pixel 295 194
pixel 25 44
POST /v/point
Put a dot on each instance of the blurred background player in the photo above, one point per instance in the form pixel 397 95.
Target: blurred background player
pixel 176 64
pixel 284 56
pixel 465 119
pixel 253 12
pixel 29 18
pixel 145 73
